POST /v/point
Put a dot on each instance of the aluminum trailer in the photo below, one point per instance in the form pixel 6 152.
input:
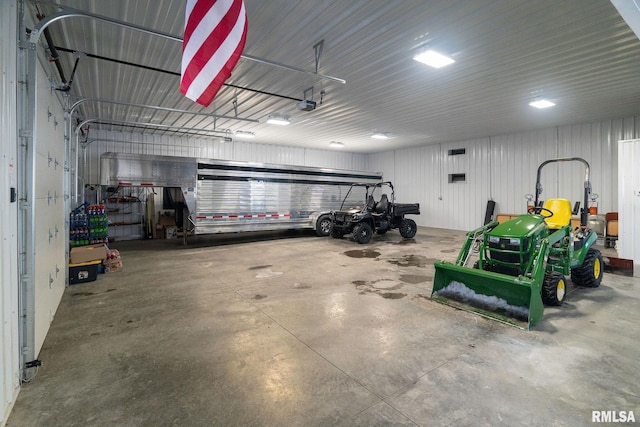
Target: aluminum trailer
pixel 223 196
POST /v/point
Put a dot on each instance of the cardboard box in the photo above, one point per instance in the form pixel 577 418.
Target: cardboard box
pixel 82 254
pixel 83 272
pixel 166 220
pixel 171 232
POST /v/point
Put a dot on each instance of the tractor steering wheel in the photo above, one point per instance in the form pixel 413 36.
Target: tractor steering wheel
pixel 539 211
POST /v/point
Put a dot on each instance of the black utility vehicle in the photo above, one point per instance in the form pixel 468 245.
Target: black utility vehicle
pixel 377 214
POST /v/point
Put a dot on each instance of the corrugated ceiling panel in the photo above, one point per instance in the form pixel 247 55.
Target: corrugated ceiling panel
pixel 578 52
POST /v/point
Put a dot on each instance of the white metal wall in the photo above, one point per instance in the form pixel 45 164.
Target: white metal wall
pixel 9 344
pixel 49 210
pixel 629 195
pixel 503 169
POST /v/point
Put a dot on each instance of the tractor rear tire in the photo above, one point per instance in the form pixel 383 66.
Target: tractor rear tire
pixel 589 274
pixel 554 288
pixel 408 228
pixel 323 226
pixel 362 233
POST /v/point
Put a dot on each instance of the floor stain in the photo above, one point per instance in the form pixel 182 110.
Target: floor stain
pixel 260 267
pixel 405 242
pixel 448 251
pixel 392 295
pixel 259 296
pixel 362 253
pixel 379 287
pixel 414 278
pixel 82 294
pixel 301 286
pixel 411 261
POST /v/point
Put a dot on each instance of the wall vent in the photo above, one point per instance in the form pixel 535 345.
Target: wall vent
pixel 457 177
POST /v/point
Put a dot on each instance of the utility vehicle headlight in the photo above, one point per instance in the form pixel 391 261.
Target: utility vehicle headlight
pixel 514 242
pixel 494 239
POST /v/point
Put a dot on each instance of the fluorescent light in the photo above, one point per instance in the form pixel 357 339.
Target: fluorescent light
pixel 380 135
pixel 244 134
pixel 541 103
pixel 433 58
pixel 336 144
pixel 277 119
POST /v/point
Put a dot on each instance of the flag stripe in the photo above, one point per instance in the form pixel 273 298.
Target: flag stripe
pixel 218 46
pixel 214 38
pixel 218 64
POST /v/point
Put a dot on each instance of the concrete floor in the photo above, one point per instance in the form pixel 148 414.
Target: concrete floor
pixel 259 330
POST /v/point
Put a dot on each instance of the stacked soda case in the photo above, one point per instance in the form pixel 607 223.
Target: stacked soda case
pixel 88 225
pixel 98 224
pixel 79 227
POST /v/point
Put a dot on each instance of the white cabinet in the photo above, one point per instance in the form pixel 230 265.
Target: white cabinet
pixel 629 202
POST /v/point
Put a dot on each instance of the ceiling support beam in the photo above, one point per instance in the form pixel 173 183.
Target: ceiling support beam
pixel 173 73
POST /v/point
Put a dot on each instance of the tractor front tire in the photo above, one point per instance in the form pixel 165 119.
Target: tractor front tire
pixel 589 274
pixel 362 233
pixel 408 228
pixel 554 288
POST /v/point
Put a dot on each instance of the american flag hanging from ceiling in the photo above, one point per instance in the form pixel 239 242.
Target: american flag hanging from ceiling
pixel 215 33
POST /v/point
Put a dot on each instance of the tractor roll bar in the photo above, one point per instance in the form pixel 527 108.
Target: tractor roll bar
pixel 584 215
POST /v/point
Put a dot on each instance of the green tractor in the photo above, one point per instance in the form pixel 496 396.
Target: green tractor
pixel 522 263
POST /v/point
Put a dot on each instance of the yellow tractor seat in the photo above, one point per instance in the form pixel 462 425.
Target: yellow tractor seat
pixel 561 209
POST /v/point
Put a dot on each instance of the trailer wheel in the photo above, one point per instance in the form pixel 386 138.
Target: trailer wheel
pixel 362 233
pixel 408 228
pixel 323 226
pixel 553 288
pixel 589 274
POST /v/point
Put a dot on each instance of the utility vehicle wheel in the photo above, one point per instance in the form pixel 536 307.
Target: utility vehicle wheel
pixel 336 234
pixel 408 228
pixel 323 226
pixel 589 274
pixel 553 288
pixel 362 233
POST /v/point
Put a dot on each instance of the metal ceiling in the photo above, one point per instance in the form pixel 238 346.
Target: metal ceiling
pixel 579 53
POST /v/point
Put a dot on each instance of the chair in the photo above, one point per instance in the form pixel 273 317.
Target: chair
pixel 611 229
pixel 383 205
pixel 371 203
pixel 561 209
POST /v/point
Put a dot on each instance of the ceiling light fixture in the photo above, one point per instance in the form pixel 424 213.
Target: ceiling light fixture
pixel 432 58
pixel 336 144
pixel 541 103
pixel 244 134
pixel 278 119
pixel 380 135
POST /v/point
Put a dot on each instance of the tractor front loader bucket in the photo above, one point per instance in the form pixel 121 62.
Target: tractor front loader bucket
pixel 512 300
